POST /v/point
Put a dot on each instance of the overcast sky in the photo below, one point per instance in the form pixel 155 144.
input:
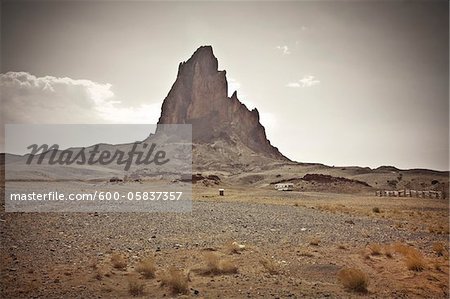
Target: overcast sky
pixel 340 83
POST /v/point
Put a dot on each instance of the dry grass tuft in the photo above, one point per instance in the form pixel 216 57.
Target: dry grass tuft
pixel 119 261
pixel 414 259
pixel 415 263
pixel 437 266
pixel 146 267
pixel 94 265
pixel 305 252
pixel 375 249
pixel 314 242
pixel 176 280
pixel 354 279
pixel 388 251
pixel 270 266
pixel 439 248
pixel 99 273
pixel 135 287
pixel 214 265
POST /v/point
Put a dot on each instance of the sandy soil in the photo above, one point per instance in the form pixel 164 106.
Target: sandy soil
pixel 295 245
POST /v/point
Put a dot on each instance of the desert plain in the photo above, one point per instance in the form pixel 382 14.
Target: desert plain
pixel 322 240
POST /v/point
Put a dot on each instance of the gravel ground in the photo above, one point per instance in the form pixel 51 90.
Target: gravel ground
pixel 32 243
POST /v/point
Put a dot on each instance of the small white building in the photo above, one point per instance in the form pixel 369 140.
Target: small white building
pixel 284 186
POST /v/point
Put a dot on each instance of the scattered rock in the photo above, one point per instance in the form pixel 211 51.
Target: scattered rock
pixel 115 180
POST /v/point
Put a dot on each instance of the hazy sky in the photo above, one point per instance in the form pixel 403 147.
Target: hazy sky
pixel 341 83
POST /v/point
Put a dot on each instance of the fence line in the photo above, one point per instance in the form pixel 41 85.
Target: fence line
pixel 409 193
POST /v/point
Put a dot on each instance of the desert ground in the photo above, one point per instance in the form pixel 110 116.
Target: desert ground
pixel 254 242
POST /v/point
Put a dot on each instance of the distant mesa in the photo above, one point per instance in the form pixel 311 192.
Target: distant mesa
pixel 219 123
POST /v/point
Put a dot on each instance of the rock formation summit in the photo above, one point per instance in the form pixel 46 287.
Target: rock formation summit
pixel 221 123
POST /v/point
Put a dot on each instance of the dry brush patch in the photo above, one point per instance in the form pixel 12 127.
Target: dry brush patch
pixel 439 248
pixel 135 287
pixel 375 249
pixel 415 263
pixel 176 280
pixel 146 267
pixel 388 251
pixel 413 258
pixel 270 266
pixel 354 279
pixel 99 273
pixel 215 265
pixel 314 241
pixel 304 252
pixel 119 261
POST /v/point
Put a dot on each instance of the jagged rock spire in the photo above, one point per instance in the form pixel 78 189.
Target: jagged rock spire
pixel 199 97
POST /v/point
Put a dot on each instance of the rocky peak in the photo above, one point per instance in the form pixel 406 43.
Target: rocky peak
pixel 199 97
pixel 202 61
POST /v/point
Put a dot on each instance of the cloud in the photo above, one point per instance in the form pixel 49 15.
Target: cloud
pixel 293 84
pixel 309 81
pixel 284 49
pixel 30 99
pixel 306 81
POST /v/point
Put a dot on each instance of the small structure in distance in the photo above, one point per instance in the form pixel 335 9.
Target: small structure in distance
pixel 284 186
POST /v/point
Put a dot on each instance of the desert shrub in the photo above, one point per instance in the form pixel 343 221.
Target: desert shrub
pixel 146 267
pixel 214 265
pixel 375 249
pixel 135 287
pixel 99 273
pixel 305 252
pixel 314 242
pixel 270 266
pixel 413 258
pixel 439 248
pixel 354 279
pixel 176 280
pixel 118 261
pixel 415 263
pixel 388 251
pixel 437 266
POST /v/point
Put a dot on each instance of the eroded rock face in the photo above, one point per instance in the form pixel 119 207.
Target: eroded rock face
pixel 199 97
